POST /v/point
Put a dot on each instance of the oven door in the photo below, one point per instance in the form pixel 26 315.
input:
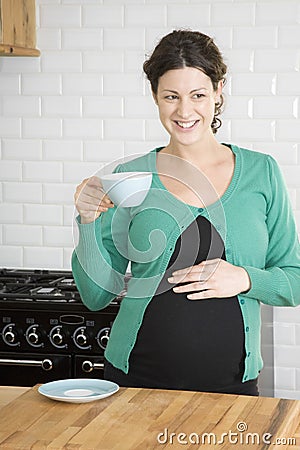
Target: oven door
pixel 89 366
pixel 28 369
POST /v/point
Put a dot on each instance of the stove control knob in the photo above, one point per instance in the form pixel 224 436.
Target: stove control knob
pixel 103 337
pixel 81 339
pixel 10 335
pixel 33 336
pixel 57 337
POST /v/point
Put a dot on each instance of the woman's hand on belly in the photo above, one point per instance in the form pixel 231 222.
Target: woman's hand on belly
pixel 210 279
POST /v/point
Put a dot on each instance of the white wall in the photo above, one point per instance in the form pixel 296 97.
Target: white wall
pixel 85 102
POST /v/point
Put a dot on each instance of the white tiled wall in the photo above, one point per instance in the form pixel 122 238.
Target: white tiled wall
pixel 85 103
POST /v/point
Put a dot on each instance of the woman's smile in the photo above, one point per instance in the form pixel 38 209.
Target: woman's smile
pixel 186 126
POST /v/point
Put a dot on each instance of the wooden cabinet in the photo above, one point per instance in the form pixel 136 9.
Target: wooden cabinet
pixel 18 28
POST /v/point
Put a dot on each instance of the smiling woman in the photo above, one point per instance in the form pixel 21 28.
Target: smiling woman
pixel 214 237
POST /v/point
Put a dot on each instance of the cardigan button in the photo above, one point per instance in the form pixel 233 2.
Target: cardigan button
pixel 247 328
pixel 200 209
pixel 242 301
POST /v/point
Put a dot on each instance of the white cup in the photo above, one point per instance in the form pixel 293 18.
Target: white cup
pixel 127 188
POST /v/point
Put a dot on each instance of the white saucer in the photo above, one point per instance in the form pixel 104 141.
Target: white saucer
pixel 78 390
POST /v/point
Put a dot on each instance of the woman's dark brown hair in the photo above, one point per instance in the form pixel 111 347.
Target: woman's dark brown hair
pixel 184 48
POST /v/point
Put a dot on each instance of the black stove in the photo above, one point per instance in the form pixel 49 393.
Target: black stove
pixel 46 333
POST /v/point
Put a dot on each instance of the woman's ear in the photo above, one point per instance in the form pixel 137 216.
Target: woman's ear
pixel 154 97
pixel 219 91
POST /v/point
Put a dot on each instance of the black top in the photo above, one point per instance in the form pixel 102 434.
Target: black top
pixel 189 344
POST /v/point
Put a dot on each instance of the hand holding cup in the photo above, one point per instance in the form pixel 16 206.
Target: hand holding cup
pixel 91 200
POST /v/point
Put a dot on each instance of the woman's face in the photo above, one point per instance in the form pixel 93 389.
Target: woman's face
pixel 186 102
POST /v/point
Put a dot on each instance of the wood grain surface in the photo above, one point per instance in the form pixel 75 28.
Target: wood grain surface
pixel 135 418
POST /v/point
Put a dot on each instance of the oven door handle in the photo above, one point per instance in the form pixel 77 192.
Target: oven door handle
pixel 88 366
pixel 45 364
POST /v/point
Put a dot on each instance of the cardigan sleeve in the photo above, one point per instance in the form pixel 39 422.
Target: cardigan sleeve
pixel 99 260
pixel 278 284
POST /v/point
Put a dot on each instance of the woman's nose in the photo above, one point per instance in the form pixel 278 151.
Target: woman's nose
pixel 184 109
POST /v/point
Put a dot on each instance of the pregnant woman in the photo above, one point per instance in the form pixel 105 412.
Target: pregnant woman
pixel 213 239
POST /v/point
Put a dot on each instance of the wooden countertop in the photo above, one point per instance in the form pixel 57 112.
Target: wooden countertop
pixel 136 418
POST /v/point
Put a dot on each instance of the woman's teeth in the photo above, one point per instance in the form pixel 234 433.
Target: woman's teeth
pixel 186 124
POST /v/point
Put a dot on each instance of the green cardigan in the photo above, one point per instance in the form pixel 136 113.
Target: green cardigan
pixel 254 218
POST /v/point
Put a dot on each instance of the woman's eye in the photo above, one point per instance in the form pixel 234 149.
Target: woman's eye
pixel 171 97
pixel 199 96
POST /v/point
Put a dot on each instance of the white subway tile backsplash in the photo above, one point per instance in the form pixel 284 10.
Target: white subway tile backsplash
pixel 155 131
pixel 69 213
pixel 61 61
pixel 41 128
pixel 239 60
pixel 285 356
pixel 284 333
pixel 10 171
pixel 102 62
pixel 81 84
pixel 75 172
pixel 10 127
pixel 103 150
pixel 17 106
pixel 43 257
pixel 287 130
pixel 19 65
pixel 102 16
pixel 252 130
pixel 22 192
pixel 125 129
pixel 297 334
pixel 279 12
pixel 82 128
pixel 11 256
pixel 67 258
pixel 285 378
pixel 227 13
pixel 41 84
pixel 9 84
pixel 148 15
pixel 253 84
pixel 283 152
pixel 123 38
pixel 140 107
pixel 42 171
pixel 21 149
pixel 276 60
pixel 133 61
pixel 60 150
pixel 274 107
pixel 291 173
pixel 49 38
pixel 81 39
pixel 62 194
pixel 22 235
pixel 57 236
pixel 260 37
pixel 100 106
pixel 123 84
pixel 59 16
pixel 11 213
pixel 43 214
pixel 289 36
pixel 59 106
pixel 288 83
pixel 188 16
pixel 239 107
